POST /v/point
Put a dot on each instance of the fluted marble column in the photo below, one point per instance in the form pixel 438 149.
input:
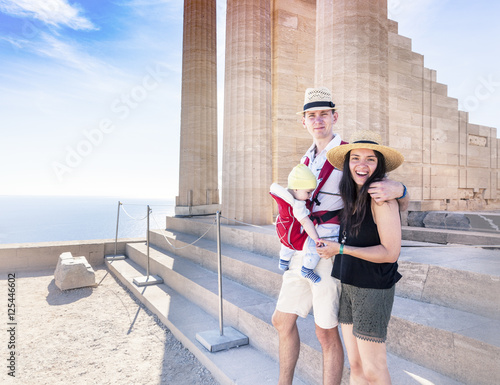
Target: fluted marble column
pixel 198 180
pixel 247 160
pixel 352 59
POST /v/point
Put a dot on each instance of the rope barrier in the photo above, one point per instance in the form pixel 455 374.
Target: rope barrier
pixel 130 216
pixel 244 223
pixel 145 204
pixel 183 247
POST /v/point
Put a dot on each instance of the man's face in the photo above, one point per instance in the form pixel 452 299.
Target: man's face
pixel 320 123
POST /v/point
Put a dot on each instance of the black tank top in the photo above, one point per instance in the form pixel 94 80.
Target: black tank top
pixel 358 272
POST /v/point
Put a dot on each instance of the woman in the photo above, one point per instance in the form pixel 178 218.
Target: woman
pixel 365 262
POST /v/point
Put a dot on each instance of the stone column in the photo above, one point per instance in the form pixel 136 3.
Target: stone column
pixel 352 59
pixel 247 160
pixel 198 179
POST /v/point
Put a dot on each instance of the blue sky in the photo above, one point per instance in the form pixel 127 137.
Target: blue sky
pixel 90 90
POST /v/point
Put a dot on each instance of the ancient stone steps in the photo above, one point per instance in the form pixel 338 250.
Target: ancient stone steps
pixel 420 315
pixel 246 310
pixel 244 365
pixel 411 333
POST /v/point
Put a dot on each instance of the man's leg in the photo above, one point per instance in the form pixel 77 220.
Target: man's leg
pixel 333 355
pixel 289 344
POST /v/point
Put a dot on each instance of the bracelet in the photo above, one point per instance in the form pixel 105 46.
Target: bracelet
pixel 341 250
pixel 404 192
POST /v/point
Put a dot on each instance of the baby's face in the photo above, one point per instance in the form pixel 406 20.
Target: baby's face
pixel 302 195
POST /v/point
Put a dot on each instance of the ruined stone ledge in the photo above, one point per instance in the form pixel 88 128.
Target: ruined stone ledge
pixel 16 257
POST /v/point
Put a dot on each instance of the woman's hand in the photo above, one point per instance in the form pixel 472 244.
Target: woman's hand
pixel 330 249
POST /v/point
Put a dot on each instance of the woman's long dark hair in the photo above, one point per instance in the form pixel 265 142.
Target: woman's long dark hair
pixel 356 204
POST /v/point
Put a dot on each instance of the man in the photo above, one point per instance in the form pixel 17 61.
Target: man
pixel 298 294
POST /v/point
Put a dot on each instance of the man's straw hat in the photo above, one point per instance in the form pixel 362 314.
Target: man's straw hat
pixel 365 139
pixel 316 99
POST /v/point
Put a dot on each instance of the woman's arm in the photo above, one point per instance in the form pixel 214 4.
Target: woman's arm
pixel 386 216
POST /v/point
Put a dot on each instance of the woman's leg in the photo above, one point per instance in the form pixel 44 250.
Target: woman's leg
pixel 371 310
pixel 350 342
pixel 373 357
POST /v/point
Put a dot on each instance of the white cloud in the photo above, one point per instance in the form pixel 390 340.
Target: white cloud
pixel 69 53
pixel 53 12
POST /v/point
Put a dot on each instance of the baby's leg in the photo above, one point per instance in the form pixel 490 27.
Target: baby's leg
pixel 311 259
pixel 285 256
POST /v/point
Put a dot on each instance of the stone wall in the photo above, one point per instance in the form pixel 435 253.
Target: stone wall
pixel 451 164
pixel 29 257
pixel 275 50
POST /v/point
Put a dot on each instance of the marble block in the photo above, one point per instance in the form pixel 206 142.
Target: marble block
pixel 73 272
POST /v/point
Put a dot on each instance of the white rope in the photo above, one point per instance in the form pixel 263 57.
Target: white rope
pixel 144 204
pixel 137 219
pixel 244 223
pixel 133 204
pixel 183 247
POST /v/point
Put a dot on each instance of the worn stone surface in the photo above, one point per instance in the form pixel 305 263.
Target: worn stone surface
pixel 447 220
pixel 73 272
pixel 412 283
pixel 416 218
pixel 440 288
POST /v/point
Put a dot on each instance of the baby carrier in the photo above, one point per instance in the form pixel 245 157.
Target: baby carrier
pixel 290 231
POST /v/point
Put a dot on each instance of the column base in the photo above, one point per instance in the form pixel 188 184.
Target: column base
pixel 197 210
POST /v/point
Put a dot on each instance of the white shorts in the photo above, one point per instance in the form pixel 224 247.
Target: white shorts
pixel 298 294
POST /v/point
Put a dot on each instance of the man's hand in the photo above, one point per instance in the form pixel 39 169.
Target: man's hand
pixel 385 190
pixel 388 189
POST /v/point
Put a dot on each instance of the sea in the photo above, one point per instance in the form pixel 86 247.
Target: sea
pixel 26 219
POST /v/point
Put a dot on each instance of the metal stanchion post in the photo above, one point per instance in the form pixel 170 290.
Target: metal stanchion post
pixel 219 257
pixel 147 242
pixel 115 256
pixel 224 338
pixel 148 279
pixel 117 221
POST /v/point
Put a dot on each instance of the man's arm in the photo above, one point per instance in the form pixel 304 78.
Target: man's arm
pixel 388 189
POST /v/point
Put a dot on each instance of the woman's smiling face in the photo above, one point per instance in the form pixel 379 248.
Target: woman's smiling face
pixel 362 164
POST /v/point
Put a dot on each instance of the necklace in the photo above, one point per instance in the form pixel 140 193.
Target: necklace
pixel 344 237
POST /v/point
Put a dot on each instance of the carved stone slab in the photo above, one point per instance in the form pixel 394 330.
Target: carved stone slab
pixel 73 272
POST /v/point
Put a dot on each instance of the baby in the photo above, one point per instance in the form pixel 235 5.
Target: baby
pixel 292 208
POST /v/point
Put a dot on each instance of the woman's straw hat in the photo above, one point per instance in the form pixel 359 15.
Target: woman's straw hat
pixel 316 99
pixel 365 139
